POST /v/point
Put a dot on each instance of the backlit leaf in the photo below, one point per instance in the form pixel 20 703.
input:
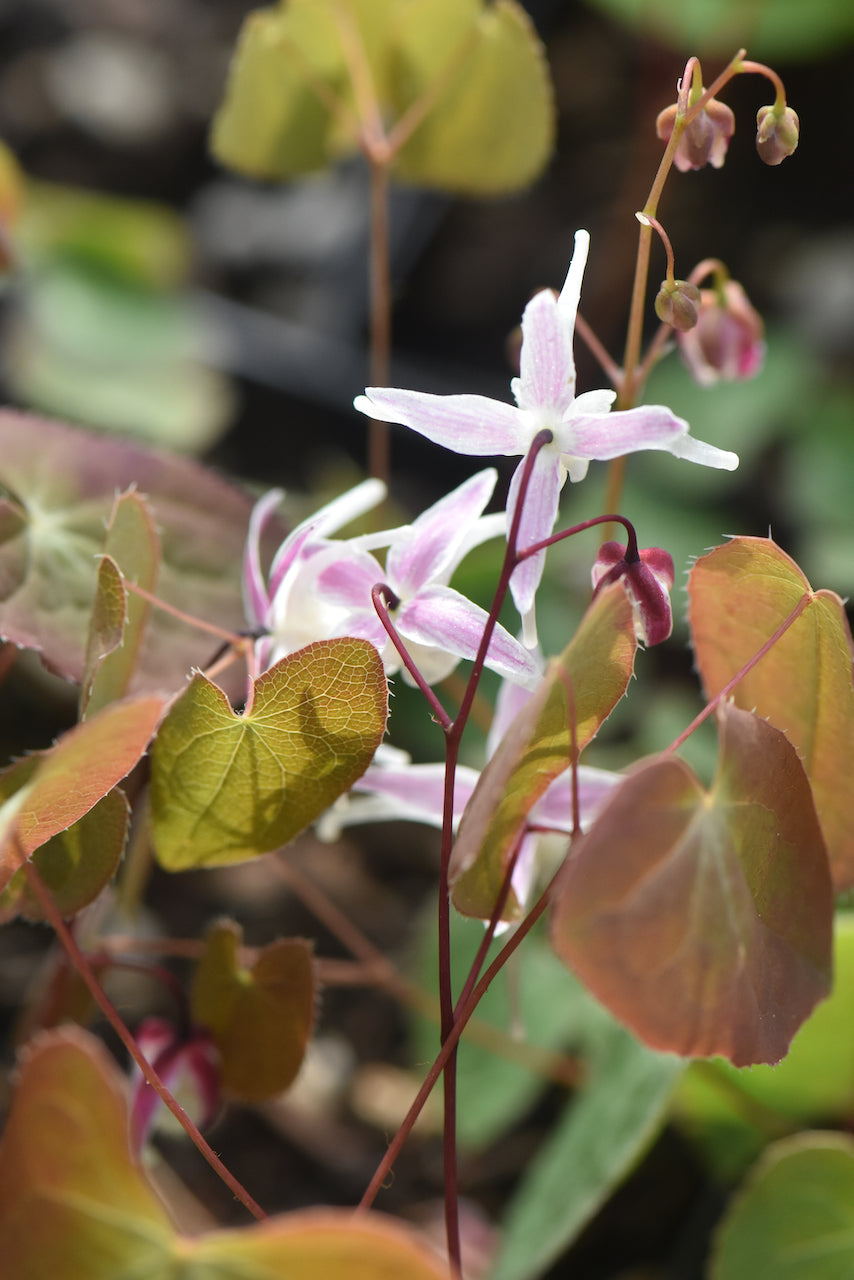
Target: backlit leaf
pixel 740 593
pixel 74 865
pixel 226 787
pixel 596 667
pixel 491 128
pixel 69 780
pixel 64 483
pixel 703 920
pixel 794 1219
pixel 106 627
pixel 76 1205
pixel 260 1017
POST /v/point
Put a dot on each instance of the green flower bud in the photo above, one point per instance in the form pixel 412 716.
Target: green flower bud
pixel 677 303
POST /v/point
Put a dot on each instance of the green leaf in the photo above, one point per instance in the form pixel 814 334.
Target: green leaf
pixel 794 1219
pixel 116 354
pixel 598 1140
pixel 274 123
pixel 491 129
pixel 260 1017
pixel 69 780
pixel 474 73
pixel 74 865
pixel 777 28
pixel 65 481
pixel 740 594
pixel 226 787
pixel 119 617
pixel 579 691
pixel 703 920
pixel 76 1205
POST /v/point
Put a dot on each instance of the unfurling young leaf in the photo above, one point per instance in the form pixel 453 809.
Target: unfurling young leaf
pixel 226 787
pixel 703 920
pixel 740 594
pixel 260 1017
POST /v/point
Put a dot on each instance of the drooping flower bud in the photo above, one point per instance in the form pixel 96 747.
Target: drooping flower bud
pixel 187 1065
pixel 705 139
pixel 727 340
pixel 677 303
pixel 777 132
pixel 648 581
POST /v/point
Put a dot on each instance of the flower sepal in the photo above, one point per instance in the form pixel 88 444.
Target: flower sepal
pixel 647 576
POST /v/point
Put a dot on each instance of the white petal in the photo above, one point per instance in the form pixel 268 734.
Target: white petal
pixel 547 369
pixel 705 454
pixel 570 294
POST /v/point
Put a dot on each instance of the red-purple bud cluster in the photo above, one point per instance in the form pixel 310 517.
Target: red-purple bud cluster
pixel 727 340
pixel 187 1065
pixel 677 303
pixel 777 131
pixel 648 581
pixel 704 141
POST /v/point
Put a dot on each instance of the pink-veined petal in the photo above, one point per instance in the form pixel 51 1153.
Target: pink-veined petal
pixel 554 808
pixel 418 790
pixel 538 518
pixel 347 576
pixel 547 368
pixel 441 617
pixel 256 601
pixel 463 423
pixel 434 544
pixel 610 435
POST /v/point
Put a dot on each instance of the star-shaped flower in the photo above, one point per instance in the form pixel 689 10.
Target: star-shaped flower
pixel 582 426
pixel 438 624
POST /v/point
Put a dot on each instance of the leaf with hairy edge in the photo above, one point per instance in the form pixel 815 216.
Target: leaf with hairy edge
pixel 69 780
pixel 491 127
pixel 703 920
pixel 794 1218
pixel 260 1017
pixel 740 593
pixel 133 549
pixel 227 787
pixel 76 864
pixel 106 627
pixel 76 1205
pixel 596 667
pixel 62 482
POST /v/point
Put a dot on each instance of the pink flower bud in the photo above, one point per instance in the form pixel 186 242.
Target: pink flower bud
pixel 726 342
pixel 648 582
pixel 705 139
pixel 777 133
pixel 187 1065
pixel 677 304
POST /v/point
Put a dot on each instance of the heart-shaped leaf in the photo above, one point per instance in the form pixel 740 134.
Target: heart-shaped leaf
pixel 76 1205
pixel 740 594
pixel 703 920
pixel 60 485
pixel 226 787
pixel 69 780
pixel 260 1017
pixel 492 127
pixel 578 693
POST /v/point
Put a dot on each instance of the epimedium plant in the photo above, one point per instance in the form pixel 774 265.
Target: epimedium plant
pixel 699 917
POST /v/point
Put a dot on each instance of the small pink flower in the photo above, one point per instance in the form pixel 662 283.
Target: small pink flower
pixel 648 579
pixel 777 132
pixel 705 139
pixel 726 342
pixel 188 1066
